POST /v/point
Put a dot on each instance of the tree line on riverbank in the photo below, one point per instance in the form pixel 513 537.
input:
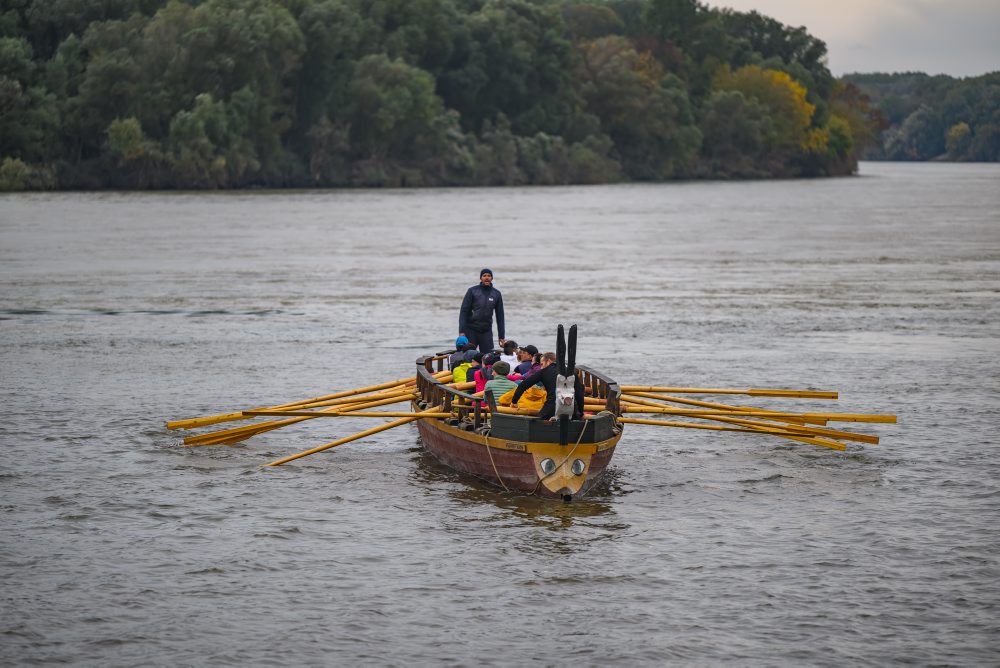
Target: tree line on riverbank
pixel 934 117
pixel 280 93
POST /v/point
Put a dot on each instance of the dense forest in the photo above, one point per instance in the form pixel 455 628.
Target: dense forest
pixel 934 117
pixel 299 93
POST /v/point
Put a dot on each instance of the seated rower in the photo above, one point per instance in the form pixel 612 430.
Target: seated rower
pixel 500 384
pixel 525 357
pixel 509 354
pixel 457 358
pixel 461 373
pixel 547 377
pixel 475 360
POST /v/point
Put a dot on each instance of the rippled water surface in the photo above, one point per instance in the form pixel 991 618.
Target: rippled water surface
pixel 118 312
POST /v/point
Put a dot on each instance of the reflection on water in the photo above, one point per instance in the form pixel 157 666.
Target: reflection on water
pixel 548 513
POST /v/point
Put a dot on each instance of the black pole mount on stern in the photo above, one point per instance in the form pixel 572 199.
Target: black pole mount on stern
pixel 565 381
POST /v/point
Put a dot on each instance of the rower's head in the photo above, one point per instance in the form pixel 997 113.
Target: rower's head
pixel 547 359
pixel 526 353
pixel 486 277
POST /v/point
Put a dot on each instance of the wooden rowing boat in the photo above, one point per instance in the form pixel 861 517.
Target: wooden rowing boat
pixel 518 452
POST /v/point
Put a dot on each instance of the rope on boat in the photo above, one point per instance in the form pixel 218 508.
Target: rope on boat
pixel 490 453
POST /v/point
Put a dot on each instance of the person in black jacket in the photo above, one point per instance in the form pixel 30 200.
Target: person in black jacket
pixel 547 377
pixel 461 346
pixel 475 318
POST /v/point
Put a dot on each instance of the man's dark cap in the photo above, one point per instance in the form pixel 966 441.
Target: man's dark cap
pixel 485 271
pixel 531 350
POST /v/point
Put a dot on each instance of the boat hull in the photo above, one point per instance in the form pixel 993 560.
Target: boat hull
pixel 517 465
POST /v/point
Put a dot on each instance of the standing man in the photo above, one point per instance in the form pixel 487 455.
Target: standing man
pixel 475 319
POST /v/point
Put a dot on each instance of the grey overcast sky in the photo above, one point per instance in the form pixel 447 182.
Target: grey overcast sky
pixel 956 37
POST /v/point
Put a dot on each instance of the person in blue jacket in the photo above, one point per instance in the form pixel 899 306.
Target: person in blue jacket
pixel 475 319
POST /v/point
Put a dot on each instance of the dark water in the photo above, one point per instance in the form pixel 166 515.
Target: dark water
pixel 119 312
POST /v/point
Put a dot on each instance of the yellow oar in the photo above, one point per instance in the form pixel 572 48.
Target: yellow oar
pixel 826 417
pixel 637 397
pixel 341 404
pixel 631 407
pixel 771 431
pixel 194 423
pixel 344 414
pixel 341 441
pixel 801 394
pixel 685 425
pixel 399 390
pixel 782 423
pixel 238 434
pixel 767 431
pixel 815 431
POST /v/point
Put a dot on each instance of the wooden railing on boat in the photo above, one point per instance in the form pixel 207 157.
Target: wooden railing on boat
pixel 469 407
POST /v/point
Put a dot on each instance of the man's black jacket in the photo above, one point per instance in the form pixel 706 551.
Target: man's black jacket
pixel 477 310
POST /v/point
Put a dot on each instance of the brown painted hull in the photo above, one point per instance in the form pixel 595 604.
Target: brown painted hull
pixel 517 465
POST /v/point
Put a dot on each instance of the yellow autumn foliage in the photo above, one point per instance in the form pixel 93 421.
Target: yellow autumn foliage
pixel 784 98
pixel 649 68
pixel 817 141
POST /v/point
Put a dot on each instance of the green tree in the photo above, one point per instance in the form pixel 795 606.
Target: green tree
pixel 921 137
pixel 958 140
pixel 790 46
pixel 590 161
pixel 737 131
pixel 395 113
pixel 420 32
pixel 865 121
pixel 645 112
pixel 516 63
pixel 333 33
pixel 14 175
pixel 16 69
pixel 785 100
pixel 586 21
pixel 676 21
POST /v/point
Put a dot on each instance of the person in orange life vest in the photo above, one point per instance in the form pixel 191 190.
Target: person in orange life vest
pixel 547 378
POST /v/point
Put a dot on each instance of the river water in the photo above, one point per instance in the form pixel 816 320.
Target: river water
pixel 119 312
